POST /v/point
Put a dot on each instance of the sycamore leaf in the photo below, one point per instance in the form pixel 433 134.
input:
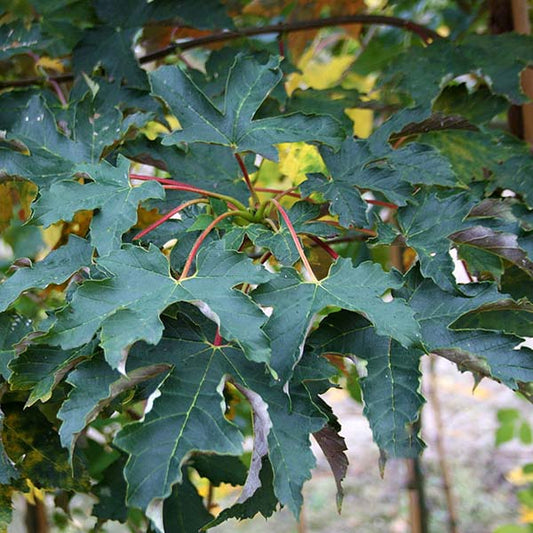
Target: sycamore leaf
pixel 189 414
pixel 208 167
pixel 219 468
pixel 373 164
pixel 126 305
pixel 110 192
pixel 111 492
pixel 421 72
pixel 13 328
pixel 426 228
pixel 478 155
pixel 515 318
pixel 262 501
pixel 31 441
pixel 334 446
pixel 57 267
pixel 295 304
pixel 7 469
pixel 248 84
pixel 390 389
pixel 46 155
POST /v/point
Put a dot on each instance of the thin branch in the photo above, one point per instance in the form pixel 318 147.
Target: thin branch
pixel 441 451
pixel 426 34
pixel 294 236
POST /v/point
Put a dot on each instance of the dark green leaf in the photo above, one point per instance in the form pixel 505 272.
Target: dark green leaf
pixel 248 84
pixel 183 510
pixel 127 305
pixel 426 228
pixel 110 192
pixel 57 267
pixel 295 304
pixel 391 387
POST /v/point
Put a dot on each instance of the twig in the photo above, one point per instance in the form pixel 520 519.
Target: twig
pixel 170 214
pixel 441 452
pixel 330 251
pixel 426 34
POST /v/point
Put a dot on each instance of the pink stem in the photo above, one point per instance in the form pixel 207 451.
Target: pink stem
pixel 166 217
pixel 200 240
pixel 295 239
pixel 218 339
pixel 384 204
pixel 247 179
pixel 332 253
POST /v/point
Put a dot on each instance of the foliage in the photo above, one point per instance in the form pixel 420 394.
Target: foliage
pixel 186 246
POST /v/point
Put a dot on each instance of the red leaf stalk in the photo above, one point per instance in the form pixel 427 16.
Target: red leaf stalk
pixel 295 239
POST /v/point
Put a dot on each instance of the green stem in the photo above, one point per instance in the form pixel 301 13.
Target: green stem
pixel 200 240
pixel 247 179
pixel 295 239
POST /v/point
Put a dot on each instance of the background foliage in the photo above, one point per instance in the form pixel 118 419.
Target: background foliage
pixel 202 230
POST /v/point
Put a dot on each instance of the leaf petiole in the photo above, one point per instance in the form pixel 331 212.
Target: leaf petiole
pixel 170 214
pixel 247 179
pixel 295 239
pixel 180 186
pixel 200 240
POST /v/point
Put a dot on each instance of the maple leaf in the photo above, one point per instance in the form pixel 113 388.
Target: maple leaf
pixel 247 86
pixel 189 414
pixel 296 302
pixel 57 267
pixel 390 389
pixel 126 305
pixel 111 192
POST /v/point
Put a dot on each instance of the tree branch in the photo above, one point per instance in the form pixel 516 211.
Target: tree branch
pixel 426 34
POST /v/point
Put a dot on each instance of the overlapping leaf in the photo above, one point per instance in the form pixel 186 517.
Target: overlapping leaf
pixel 391 387
pixel 295 303
pixel 127 304
pixel 372 164
pixel 426 228
pixel 110 192
pixel 57 267
pixel 189 415
pixel 248 84
pixel 494 348
pixel 422 71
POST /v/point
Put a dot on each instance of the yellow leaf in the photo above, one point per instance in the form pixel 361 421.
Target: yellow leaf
pixel 517 476
pixel 298 159
pixel 51 64
pixel 526 515
pixel 318 71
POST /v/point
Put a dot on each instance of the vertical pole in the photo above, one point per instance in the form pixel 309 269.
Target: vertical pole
pixel 521 24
